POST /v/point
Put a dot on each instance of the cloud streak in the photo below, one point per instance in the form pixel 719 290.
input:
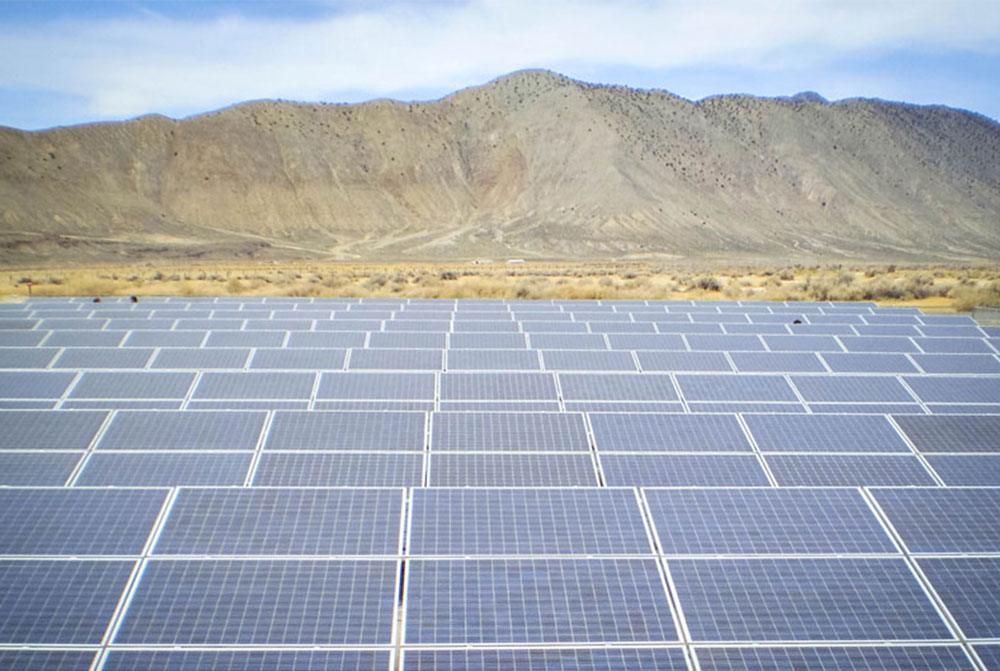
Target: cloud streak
pixel 132 65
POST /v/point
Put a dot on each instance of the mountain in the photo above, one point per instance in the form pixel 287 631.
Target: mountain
pixel 531 165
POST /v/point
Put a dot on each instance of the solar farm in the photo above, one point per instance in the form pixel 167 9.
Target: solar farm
pixel 251 483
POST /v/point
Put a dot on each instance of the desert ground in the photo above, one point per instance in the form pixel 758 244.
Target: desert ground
pixel 929 287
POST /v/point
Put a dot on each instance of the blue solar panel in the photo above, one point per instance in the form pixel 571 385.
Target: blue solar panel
pixel 21 338
pixel 26 357
pixel 536 601
pixel 687 327
pixel 498 386
pixel 878 344
pixel 164 339
pixel 103 357
pixel 538 432
pixel 686 361
pixel 255 385
pixel 493 359
pixel 319 339
pixel 804 600
pixel 825 433
pixel 59 602
pixel 344 469
pixel 47 660
pixel 324 522
pixel 735 388
pixel 166 430
pixel 957 364
pixel 956 389
pixel 967 469
pixel 77 522
pixel 842 470
pixel 487 341
pixel 777 362
pixel 380 386
pixel 613 387
pixel 681 470
pixel 395 432
pixel 162 469
pixel 526 522
pixel 623 406
pixel 954 345
pixel 970 590
pixel 196 358
pixel 944 520
pixel 851 389
pixel 728 343
pixel 145 385
pixel 37 468
pixel 298 359
pixel 888 658
pixel 802 343
pixel 746 407
pixel 990 654
pixel 668 433
pixel 952 434
pixel 84 338
pixel 33 384
pixel 235 602
pixel 854 362
pixel 247 660
pixel 512 470
pixel 765 521
pixel 640 341
pixel 245 339
pixel 588 360
pixel 544 659
pixel 575 341
pixel 48 429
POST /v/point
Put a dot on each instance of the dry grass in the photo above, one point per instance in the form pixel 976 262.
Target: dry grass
pixel 939 287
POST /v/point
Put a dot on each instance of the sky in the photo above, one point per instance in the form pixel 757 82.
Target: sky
pixel 78 61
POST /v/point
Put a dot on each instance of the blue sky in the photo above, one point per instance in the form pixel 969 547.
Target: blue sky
pixel 77 61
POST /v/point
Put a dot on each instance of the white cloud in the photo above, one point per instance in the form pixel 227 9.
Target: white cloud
pixel 125 67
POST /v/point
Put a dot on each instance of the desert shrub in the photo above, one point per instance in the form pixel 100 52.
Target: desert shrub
pixel 448 275
pixel 967 297
pixel 709 283
pixel 845 278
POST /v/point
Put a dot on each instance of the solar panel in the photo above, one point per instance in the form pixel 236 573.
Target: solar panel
pixel 159 469
pixel 967 469
pixel 23 338
pixel 33 384
pixel 825 433
pixel 245 339
pixel 402 326
pixel 887 658
pixel 990 654
pixel 48 430
pixel 735 388
pixel 487 341
pixel 539 659
pixel 586 387
pixel 246 660
pixel 952 434
pixel 407 340
pixel 47 660
pixel 580 360
pixel 956 389
pixel 842 470
pixel 37 468
pixel 878 344
pixel 536 601
pixel 970 589
pixel 298 359
pixel 26 357
pixel 668 433
pixel 167 430
pixel 328 522
pixel 381 386
pixel 396 431
pixel 640 341
pixel 59 602
pixel 255 385
pixel 511 470
pixel 804 600
pixel 684 361
pixel 205 324
pixel 886 330
pixel 493 359
pixel 67 324
pixel 777 362
pixel 500 406
pixel 682 470
pixel 164 339
pixel 725 342
pixel 765 521
pixel 120 404
pixel 312 339
pixel 622 327
pixel 485 327
pixel 395 359
pixel 568 341
pixel 957 364
pixel 236 602
pixel 199 359
pixel 486 522
pixel 944 520
pixel 756 329
pixel 143 385
pixel 77 522
pixel 954 345
pixel 498 386
pixel 854 362
pixel 553 326
pixel 540 432
pixel 851 389
pixel 339 469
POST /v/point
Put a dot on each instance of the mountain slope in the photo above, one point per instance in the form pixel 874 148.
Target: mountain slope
pixel 530 165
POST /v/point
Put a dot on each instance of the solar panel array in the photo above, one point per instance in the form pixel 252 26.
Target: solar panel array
pixel 299 483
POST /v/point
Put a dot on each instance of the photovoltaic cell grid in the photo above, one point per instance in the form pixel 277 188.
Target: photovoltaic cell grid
pixel 643 433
